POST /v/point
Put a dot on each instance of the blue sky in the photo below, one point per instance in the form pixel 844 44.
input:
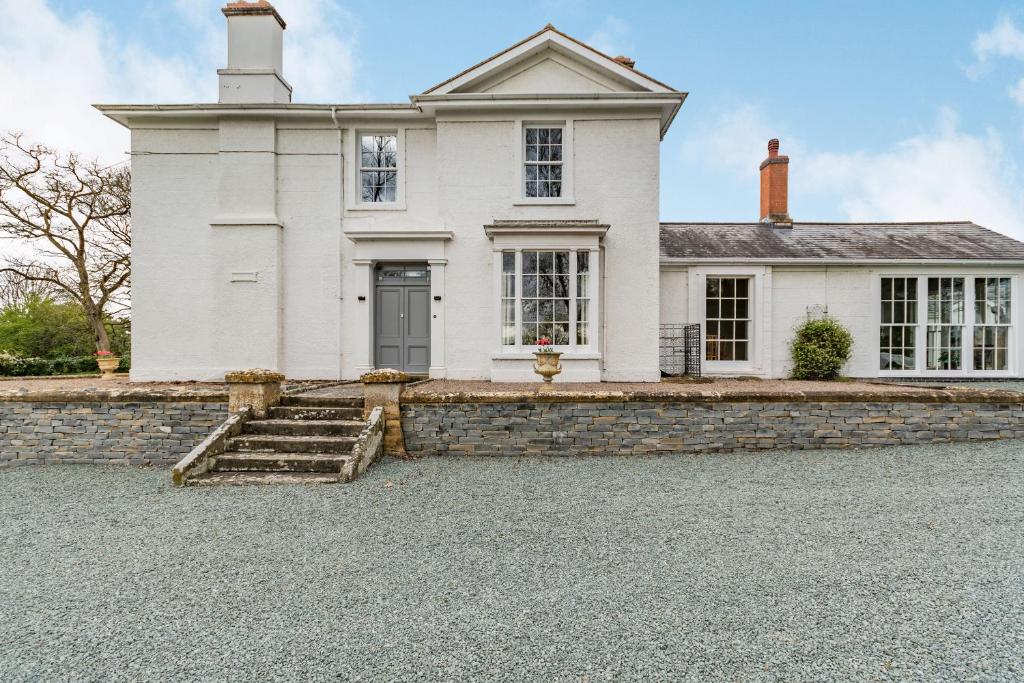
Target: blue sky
pixel 903 111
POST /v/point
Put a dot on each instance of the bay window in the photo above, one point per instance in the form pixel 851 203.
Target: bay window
pixel 546 293
pixel 966 324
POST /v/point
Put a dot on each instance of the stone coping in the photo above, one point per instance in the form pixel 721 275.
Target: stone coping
pixel 117 395
pixel 874 394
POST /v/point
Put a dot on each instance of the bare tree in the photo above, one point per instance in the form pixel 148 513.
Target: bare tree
pixel 77 216
pixel 16 290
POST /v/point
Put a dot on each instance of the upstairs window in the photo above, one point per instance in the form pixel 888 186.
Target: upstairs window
pixel 543 161
pixel 378 168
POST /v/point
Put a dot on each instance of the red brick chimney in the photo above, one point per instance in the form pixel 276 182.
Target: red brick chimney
pixel 775 186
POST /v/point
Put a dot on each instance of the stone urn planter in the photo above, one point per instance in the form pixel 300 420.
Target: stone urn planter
pixel 547 363
pixel 108 364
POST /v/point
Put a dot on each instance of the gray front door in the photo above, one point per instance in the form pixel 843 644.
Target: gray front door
pixel 401 328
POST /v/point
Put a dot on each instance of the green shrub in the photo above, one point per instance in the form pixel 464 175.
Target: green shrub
pixel 13 366
pixel 820 348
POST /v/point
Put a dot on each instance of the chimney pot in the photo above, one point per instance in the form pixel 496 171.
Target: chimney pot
pixel 625 61
pixel 775 187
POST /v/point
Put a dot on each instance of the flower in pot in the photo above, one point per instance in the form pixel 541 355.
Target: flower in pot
pixel 108 363
pixel 547 364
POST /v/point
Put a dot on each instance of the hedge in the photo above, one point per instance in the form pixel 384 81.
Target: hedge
pixel 12 366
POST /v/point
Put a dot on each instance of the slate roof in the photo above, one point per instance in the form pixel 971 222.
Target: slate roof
pixel 954 241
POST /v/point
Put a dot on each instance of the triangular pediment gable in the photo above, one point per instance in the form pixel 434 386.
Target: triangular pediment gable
pixel 549 62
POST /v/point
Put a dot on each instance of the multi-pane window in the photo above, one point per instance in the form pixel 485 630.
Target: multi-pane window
pixel 727 316
pixel 966 323
pixel 543 161
pixel 378 168
pixel 545 293
pixel 945 323
pixel 545 296
pixel 508 298
pixel 898 340
pixel 991 323
pixel 582 307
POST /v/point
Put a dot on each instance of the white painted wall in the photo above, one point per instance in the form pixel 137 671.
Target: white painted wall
pixel 252 249
pixel 850 294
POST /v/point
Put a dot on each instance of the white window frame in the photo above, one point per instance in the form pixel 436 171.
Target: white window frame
pixel 921 333
pixel 759 360
pixel 572 348
pixel 568 186
pixel 354 198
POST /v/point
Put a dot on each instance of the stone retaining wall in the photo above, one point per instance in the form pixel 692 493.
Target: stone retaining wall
pixel 637 427
pixel 156 432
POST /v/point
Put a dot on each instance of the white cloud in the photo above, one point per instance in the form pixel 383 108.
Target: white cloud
pixel 1004 39
pixel 735 140
pixel 320 45
pixel 1016 92
pixel 942 174
pixel 611 37
pixel 55 66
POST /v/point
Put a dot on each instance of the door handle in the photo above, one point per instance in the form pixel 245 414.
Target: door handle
pixel 401 315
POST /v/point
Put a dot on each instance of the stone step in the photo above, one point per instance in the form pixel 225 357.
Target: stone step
pixel 240 461
pixel 251 478
pixel 311 413
pixel 274 443
pixel 305 427
pixel 323 401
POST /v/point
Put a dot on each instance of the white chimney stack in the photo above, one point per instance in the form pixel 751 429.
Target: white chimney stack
pixel 255 45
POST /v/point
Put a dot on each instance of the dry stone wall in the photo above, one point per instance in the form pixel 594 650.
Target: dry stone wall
pixel 639 427
pixel 136 433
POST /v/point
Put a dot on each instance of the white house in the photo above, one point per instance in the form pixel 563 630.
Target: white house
pixel 516 199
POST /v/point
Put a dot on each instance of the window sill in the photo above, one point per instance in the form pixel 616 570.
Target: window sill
pixel 395 206
pixel 545 201
pixel 528 355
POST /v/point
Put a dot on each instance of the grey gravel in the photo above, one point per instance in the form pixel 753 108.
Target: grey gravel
pixel 890 564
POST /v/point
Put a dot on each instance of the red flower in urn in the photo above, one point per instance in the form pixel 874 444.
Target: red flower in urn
pixel 544 345
pixel 103 354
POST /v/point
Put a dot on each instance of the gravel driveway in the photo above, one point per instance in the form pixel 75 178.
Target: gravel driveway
pixel 902 564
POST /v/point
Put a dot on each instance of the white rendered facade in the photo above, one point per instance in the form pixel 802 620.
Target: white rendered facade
pixel 256 246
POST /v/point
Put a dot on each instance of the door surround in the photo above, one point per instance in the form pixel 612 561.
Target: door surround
pixel 370 247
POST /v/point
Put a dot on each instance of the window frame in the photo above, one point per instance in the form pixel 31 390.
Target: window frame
pixel 519 197
pixel 719 320
pixel 759 328
pixel 969 325
pixel 353 169
pixel 590 296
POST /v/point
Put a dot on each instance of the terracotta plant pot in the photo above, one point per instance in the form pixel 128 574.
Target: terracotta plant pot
pixel 108 366
pixel 547 365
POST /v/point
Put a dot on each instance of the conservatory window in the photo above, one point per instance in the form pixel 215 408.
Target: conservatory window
pixel 898 340
pixel 991 323
pixel 945 323
pixel 961 324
